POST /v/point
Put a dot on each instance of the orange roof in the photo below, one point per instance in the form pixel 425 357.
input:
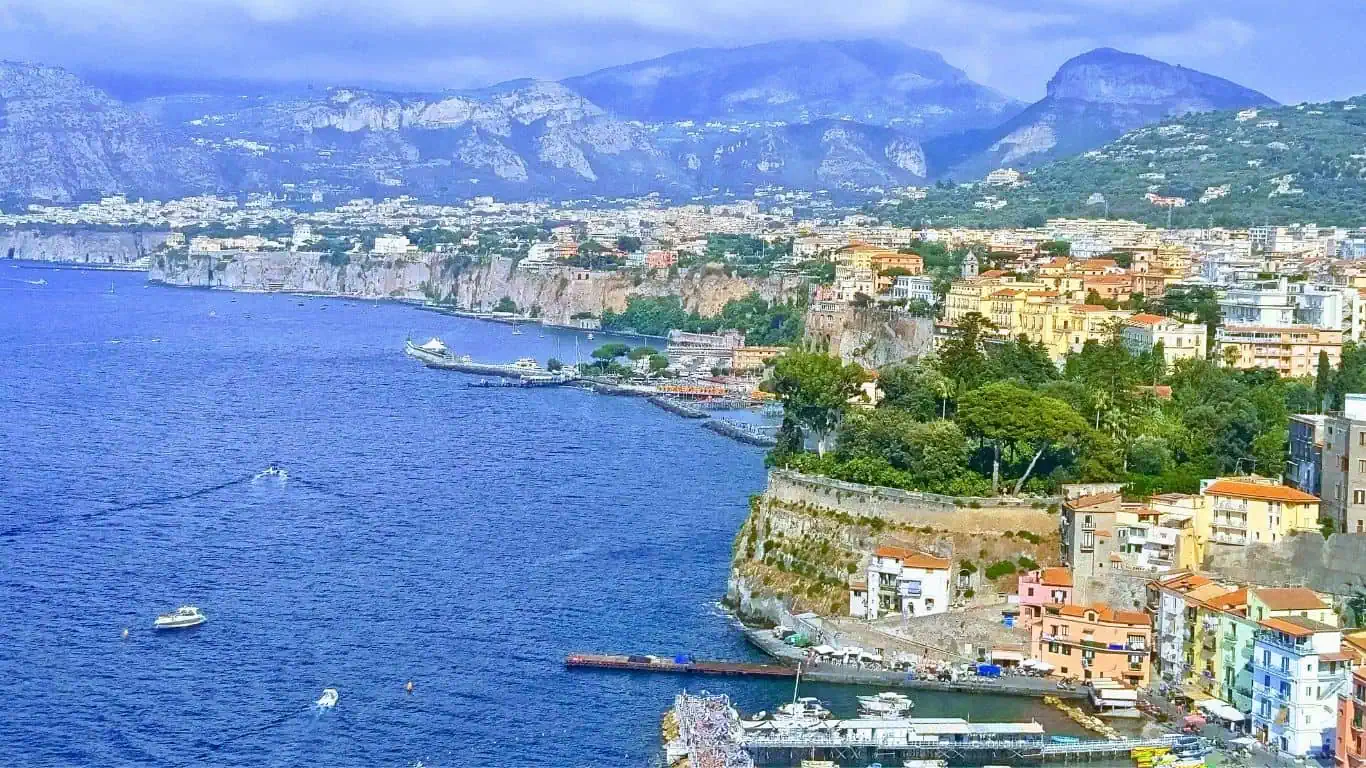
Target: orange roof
pixel 1088 308
pixel 1005 292
pixel 1242 490
pixel 1108 280
pixel 859 586
pixel 1228 600
pixel 1045 294
pixel 1290 599
pixel 1055 577
pixel 1106 614
pixel 993 273
pixel 1184 582
pixel 1146 319
pixel 1082 502
pixel 910 558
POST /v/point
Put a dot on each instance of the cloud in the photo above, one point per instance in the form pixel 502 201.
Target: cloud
pixel 461 43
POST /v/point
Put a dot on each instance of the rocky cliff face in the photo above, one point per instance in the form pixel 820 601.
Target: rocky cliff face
pixel 103 248
pixel 1092 99
pixel 871 337
pixel 558 295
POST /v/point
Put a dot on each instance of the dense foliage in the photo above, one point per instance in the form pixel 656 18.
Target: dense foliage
pixel 763 322
pixel 977 412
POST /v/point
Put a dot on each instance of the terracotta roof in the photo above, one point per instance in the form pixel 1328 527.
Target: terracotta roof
pixel 993 273
pixel 1108 280
pixel 1338 656
pixel 859 586
pixel 1242 490
pixel 1045 294
pixel 1005 292
pixel 910 558
pixel 1228 600
pixel 1106 614
pixel 1184 582
pixel 1146 319
pixel 1297 626
pixel 1290 599
pixel 1055 577
pixel 1084 502
pixel 1089 308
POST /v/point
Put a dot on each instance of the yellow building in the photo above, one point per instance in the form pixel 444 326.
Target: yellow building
pixel 1293 350
pixel 1252 509
pixel 973 294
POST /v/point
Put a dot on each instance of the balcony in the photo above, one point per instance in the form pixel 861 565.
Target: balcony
pixel 1227 505
pixel 1088 525
pixel 1229 538
pixel 1230 522
pixel 1275 640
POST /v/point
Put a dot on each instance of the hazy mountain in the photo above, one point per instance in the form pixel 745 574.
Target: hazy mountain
pixel 870 81
pixel 1093 98
pixel 62 139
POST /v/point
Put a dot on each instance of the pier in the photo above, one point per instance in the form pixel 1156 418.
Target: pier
pixel 678 665
pixel 678 407
pixel 753 434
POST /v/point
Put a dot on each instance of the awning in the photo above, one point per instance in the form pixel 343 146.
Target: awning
pixel 1007 656
pixel 824 649
pixel 1220 709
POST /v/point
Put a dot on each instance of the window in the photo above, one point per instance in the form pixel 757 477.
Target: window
pixel 1361 465
pixel 1285 690
pixel 1358 496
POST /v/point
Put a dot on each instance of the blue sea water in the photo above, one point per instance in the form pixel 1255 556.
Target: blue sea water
pixel 464 539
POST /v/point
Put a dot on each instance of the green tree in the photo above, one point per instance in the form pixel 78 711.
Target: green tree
pixel 506 304
pixel 611 351
pixel 553 364
pixel 1002 413
pixel 815 390
pixel 628 244
pixel 961 358
pixel 1323 379
pixel 658 362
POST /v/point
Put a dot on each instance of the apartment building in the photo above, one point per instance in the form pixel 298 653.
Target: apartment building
pixel 1299 670
pixel 1040 588
pixel 1180 341
pixel 1343 465
pixel 913 287
pixel 1087 527
pixel 902 581
pixel 1304 468
pixel 1350 747
pixel 1092 642
pixel 1251 509
pixel 1292 351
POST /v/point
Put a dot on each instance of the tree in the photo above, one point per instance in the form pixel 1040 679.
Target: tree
pixel 553 364
pixel 961 359
pixel 815 390
pixel 506 304
pixel 1323 379
pixel 658 362
pixel 641 352
pixel 611 351
pixel 628 244
pixel 1002 413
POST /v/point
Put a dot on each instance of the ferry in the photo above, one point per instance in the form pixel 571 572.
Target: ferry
pixel 184 617
pixel 433 350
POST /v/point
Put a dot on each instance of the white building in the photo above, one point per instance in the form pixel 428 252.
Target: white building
pixel 913 287
pixel 1265 303
pixel 1298 670
pixel 393 244
pixel 1003 177
pixel 302 235
pixel 1180 340
pixel 902 581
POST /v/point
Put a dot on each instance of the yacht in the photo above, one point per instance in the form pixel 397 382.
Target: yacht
pixel 527 365
pixel 432 351
pixel 329 698
pixel 181 618
pixel 886 704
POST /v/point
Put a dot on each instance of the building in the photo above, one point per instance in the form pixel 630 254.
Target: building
pixel 1304 468
pixel 1350 749
pixel 1180 341
pixel 1175 599
pixel 1299 669
pixel 1264 302
pixel 1091 642
pixel 1292 351
pixel 660 259
pixel 1002 177
pixel 753 359
pixel 1040 588
pixel 1251 510
pixel 1088 540
pixel 1343 464
pixel 390 245
pixel 903 582
pixel 703 350
pixel 913 288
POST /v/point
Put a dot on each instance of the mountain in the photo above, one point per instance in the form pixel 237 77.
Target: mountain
pixel 61 139
pixel 1304 163
pixel 1092 99
pixel 869 81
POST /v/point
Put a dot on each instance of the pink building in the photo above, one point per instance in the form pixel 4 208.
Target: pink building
pixel 660 259
pixel 1046 586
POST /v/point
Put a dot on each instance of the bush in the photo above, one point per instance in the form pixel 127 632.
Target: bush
pixel 999 568
pixel 968 593
pixel 1026 564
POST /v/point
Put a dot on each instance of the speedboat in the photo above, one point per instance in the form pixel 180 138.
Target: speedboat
pixel 590 335
pixel 181 618
pixel 273 471
pixel 329 698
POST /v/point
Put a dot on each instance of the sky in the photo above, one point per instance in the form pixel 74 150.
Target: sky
pixel 1302 51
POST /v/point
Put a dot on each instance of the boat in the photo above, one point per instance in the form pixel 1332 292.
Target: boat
pixel 329 698
pixel 805 708
pixel 39 281
pixel 181 618
pixel 527 365
pixel 433 350
pixel 590 335
pixel 273 471
pixel 516 331
pixel 888 704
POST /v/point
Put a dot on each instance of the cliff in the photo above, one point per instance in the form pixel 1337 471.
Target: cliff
pixel 105 248
pixel 558 294
pixel 806 537
pixel 871 337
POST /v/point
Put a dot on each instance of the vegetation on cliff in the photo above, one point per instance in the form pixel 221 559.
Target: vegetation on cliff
pixel 763 322
pixel 949 423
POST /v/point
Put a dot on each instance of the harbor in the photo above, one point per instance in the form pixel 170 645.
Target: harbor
pixel 708 730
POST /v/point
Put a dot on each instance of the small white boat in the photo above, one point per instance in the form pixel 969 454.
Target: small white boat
pixel 590 335
pixel 516 331
pixel 329 698
pixel 433 350
pixel 273 472
pixel 886 704
pixel 181 618
pixel 807 708
pixel 39 281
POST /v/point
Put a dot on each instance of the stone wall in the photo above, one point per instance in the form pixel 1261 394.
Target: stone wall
pixel 102 248
pixel 972 515
pixel 1337 565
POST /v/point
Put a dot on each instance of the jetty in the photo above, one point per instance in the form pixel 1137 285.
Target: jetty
pixel 754 434
pixel 679 407
pixel 680 665
pixel 707 730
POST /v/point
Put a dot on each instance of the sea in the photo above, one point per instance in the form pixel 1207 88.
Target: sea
pixel 459 538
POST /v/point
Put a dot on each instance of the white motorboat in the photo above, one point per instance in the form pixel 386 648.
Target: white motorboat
pixel 329 698
pixel 590 335
pixel 807 708
pixel 181 618
pixel 528 365
pixel 886 704
pixel 273 471
pixel 516 331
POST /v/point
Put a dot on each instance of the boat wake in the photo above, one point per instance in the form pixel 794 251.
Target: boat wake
pixel 273 472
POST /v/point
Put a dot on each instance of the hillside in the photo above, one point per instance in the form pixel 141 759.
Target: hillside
pixel 1235 168
pixel 1092 99
pixel 877 82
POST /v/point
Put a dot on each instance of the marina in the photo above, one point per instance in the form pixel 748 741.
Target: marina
pixel 707 730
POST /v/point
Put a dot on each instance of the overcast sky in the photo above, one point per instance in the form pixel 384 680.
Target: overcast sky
pixel 1292 51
